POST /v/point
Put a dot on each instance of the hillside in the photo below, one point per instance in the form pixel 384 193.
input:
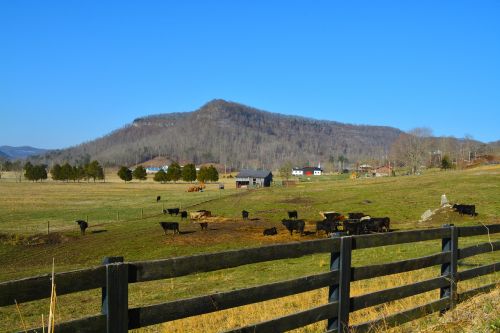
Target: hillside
pixel 234 134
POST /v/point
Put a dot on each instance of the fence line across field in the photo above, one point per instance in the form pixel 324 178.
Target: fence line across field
pixel 115 275
pixel 115 217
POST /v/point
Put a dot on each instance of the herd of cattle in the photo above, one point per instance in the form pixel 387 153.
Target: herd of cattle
pixel 355 223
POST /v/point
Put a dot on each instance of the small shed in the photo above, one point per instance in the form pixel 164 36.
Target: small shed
pixel 253 178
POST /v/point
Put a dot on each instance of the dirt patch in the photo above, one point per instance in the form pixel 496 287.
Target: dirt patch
pixel 224 231
pixel 34 240
pixel 298 201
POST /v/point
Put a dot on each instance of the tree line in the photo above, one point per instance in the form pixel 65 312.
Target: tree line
pixel 174 173
pixel 67 172
pixel 418 148
pixel 35 172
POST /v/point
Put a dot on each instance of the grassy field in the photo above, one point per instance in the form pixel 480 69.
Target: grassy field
pixel 124 220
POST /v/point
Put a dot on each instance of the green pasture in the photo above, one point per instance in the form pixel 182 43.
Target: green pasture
pixel 135 234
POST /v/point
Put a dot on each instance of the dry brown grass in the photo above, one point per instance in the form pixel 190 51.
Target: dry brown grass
pixel 479 314
pixel 254 313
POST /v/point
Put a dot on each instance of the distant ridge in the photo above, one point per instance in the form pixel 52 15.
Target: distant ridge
pixel 23 152
pixel 233 134
pixel 238 136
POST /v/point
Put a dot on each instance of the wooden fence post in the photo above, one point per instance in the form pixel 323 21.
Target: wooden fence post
pixel 449 270
pixel 115 295
pixel 341 292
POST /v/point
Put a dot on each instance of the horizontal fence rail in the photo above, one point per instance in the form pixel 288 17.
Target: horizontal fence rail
pixel 114 276
pixel 159 313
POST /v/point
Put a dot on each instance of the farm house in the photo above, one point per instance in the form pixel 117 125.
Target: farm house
pixel 307 171
pixel 254 178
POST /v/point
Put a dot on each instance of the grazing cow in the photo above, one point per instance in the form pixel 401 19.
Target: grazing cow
pixel 293 214
pixel 83 225
pixel 204 225
pixel 270 232
pixel 158 198
pixel 327 226
pixel 292 225
pixel 465 209
pixel 352 227
pixel 184 215
pixel 244 214
pixel 173 211
pixel 174 226
pixel 355 216
pixel 377 224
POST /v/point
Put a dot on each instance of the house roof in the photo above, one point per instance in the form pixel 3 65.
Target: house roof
pixel 246 173
pixel 311 169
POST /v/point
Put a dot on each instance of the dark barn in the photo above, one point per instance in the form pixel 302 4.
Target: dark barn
pixel 254 178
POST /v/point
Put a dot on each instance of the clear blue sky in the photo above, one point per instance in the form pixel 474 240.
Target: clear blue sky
pixel 71 71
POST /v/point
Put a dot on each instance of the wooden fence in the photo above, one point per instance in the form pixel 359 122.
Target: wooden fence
pixel 115 275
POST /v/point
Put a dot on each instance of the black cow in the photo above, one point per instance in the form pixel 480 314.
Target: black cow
pixel 293 214
pixel 355 216
pixel 174 226
pixel 204 225
pixel 83 225
pixel 377 224
pixel 465 209
pixel 292 225
pixel 352 227
pixel 327 226
pixel 244 214
pixel 184 215
pixel 172 211
pixel 158 198
pixel 270 232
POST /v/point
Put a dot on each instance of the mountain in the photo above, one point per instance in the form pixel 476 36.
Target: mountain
pixel 3 155
pixel 233 134
pixel 20 152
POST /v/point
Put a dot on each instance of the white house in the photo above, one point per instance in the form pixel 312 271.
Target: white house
pixel 307 171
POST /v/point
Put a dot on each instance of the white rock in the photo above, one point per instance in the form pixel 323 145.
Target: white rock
pixel 426 215
pixel 444 200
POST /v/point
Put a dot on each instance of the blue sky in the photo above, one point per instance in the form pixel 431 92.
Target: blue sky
pixel 71 71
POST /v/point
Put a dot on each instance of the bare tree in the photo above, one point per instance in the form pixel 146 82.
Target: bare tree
pixel 411 148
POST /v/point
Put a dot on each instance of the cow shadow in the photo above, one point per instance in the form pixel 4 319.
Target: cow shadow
pixel 255 219
pixel 186 232
pixel 98 231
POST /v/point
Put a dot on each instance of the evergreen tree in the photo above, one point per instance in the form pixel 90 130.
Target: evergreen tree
pixel 28 171
pixel 140 173
pixel 40 172
pixel 174 172
pixel 79 172
pixel 203 174
pixel 213 174
pixel 125 174
pixel 189 173
pixel 446 163
pixel 66 172
pixel 55 172
pixel 94 170
pixel 160 176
